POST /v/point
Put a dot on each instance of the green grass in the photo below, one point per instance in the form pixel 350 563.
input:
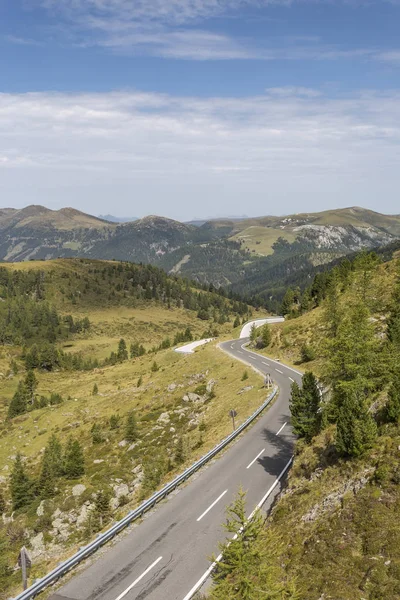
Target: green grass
pixel 259 239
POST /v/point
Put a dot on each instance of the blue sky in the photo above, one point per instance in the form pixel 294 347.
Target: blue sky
pixel 200 107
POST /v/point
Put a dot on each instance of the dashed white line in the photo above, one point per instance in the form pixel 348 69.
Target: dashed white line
pixel 252 358
pixel 278 371
pixel 211 568
pixel 292 380
pixel 232 346
pixel 212 505
pixel 265 363
pixel 283 426
pixel 128 589
pixel 254 460
pixel 240 352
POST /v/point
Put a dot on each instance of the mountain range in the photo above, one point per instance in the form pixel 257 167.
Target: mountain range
pixel 253 256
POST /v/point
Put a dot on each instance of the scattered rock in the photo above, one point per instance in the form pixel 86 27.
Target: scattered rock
pixel 191 397
pixel 137 469
pixel 122 444
pixel 245 389
pixel 172 387
pixel 78 490
pixel 210 385
pixel 172 429
pixel 164 418
pixel 121 490
pixel 193 423
pixel 132 446
pixel 84 514
pixel 98 461
pixel 40 509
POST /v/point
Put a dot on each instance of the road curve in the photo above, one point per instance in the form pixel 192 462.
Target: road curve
pixel 164 556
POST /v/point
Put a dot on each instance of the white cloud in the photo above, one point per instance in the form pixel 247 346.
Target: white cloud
pixel 171 154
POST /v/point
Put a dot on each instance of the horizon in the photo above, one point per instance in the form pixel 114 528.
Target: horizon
pixel 194 219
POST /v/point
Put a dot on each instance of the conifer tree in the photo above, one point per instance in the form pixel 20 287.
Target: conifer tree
pixel 155 367
pixel 74 462
pixel 253 332
pixel 140 381
pixel 305 407
pixel 122 353
pixel 95 390
pixel 287 302
pixel 131 433
pixel 30 385
pixel 18 405
pixel 180 454
pixel 266 335
pixel 2 503
pixel 55 454
pixel 46 483
pixel 393 403
pixel 236 323
pixel 21 485
pixel 356 428
pixel 102 507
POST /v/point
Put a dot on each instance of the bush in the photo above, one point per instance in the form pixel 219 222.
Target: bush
pixel 307 353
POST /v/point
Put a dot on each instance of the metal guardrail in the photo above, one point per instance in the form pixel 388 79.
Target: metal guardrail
pixel 103 538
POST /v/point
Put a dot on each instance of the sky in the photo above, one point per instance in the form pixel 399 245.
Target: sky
pixel 200 108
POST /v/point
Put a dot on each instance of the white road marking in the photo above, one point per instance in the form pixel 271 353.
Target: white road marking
pixel 128 589
pixel 252 358
pixel 278 371
pixel 211 568
pixel 253 461
pixel 240 352
pixel 212 505
pixel 283 426
pixel 264 363
pixel 292 380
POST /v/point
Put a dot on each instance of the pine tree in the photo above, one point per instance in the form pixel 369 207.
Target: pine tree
pixel 21 485
pixel 122 353
pixel 102 507
pixel 253 332
pixel 236 323
pixel 30 385
pixel 97 436
pixel 74 462
pixel 131 433
pixel 305 407
pixel 266 335
pixel 356 428
pixel 154 367
pixel 393 403
pixel 180 451
pixel 140 381
pixel 56 456
pixel 46 483
pixel 2 503
pixel 18 405
pixel 95 390
pixel 287 302
pixel 114 421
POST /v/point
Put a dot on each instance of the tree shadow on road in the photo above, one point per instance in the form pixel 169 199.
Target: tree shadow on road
pixel 283 446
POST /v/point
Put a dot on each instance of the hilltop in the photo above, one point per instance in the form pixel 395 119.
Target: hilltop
pixel 255 257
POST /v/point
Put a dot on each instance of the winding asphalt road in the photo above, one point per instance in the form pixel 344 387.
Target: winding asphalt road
pixel 164 556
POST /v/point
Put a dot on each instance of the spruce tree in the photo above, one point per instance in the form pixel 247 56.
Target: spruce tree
pixel 2 503
pixel 46 483
pixel 102 507
pixel 56 456
pixel 180 454
pixel 95 390
pixel 30 385
pixel 21 485
pixel 18 405
pixel 140 381
pixel 287 302
pixel 74 462
pixel 356 428
pixel 131 433
pixel 393 403
pixel 122 353
pixel 305 407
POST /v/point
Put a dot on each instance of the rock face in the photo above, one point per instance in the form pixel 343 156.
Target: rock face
pixel 210 386
pixel 195 398
pixel 121 490
pixel 245 389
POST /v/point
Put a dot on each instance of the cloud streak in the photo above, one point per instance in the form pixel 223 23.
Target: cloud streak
pixel 290 143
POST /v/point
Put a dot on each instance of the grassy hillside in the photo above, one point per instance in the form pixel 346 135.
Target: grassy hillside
pixel 256 257
pixel 334 533
pixel 139 411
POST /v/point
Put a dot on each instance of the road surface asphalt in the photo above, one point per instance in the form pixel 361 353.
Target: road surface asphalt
pixel 164 556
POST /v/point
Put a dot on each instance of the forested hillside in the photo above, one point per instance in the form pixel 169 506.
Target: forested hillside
pixel 96 409
pixel 334 533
